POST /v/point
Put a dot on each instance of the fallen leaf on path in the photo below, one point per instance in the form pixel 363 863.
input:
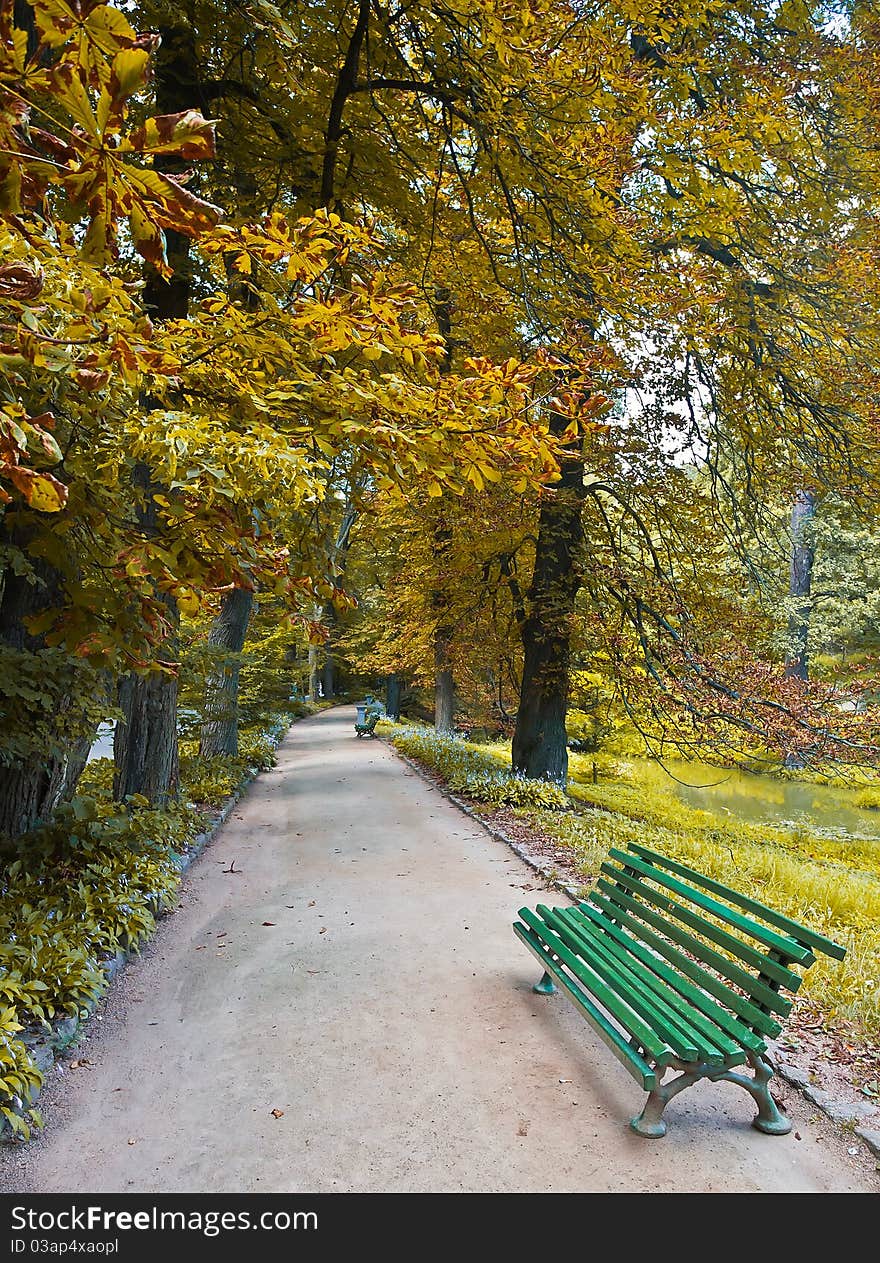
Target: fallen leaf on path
pixel 132 1142
pixel 312 903
pixel 277 1113
pixel 268 923
pixel 201 947
pixel 80 1063
pixel 523 1129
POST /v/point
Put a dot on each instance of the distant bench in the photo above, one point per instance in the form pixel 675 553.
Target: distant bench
pixel 367 728
pixel 671 974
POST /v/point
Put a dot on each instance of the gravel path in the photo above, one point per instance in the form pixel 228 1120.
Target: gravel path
pixel 349 1010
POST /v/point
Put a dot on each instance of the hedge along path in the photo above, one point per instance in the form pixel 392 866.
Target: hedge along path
pixel 346 1011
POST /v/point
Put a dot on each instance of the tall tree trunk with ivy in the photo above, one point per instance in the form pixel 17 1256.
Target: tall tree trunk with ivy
pixel 219 731
pixel 46 736
pixel 145 741
pixel 45 695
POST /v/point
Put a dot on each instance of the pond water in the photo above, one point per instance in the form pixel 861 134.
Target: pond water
pixel 760 799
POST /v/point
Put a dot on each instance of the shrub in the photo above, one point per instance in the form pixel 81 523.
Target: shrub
pixel 470 770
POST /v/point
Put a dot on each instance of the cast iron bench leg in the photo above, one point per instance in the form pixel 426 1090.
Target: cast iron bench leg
pixel 650 1122
pixel 546 986
pixel 770 1118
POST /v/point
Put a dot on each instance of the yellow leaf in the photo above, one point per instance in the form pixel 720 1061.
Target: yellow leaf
pixel 45 494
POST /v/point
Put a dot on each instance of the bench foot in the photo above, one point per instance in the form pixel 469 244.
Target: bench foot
pixel 779 1127
pixel 770 1119
pixel 650 1122
pixel 651 1131
pixel 546 986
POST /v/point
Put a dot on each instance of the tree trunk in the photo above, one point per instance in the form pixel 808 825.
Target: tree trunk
pixel 797 665
pixel 145 741
pixel 444 684
pixel 328 671
pixel 32 781
pixel 314 675
pixel 145 738
pixel 219 733
pixel 328 676
pixel 329 617
pixel 393 690
pixel 540 748
pixel 47 742
pixel 23 20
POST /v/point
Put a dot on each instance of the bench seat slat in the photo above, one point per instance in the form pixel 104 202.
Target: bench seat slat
pixel 611 1037
pixel 734 973
pixel 786 947
pixel 690 992
pixel 712 1041
pixel 745 1008
pixel 618 975
pixel 792 928
pixel 767 966
pixel 723 938
pixel 629 1019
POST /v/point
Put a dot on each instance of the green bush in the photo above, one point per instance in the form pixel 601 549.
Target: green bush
pixel 20 1079
pixel 471 771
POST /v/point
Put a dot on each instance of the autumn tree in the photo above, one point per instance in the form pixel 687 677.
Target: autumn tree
pixel 226 415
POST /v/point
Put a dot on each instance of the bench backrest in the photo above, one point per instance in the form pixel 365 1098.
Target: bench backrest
pixel 725 943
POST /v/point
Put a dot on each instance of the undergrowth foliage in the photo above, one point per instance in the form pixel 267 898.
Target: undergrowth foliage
pixel 467 769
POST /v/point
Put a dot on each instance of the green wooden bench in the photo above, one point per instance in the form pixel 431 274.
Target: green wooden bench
pixel 676 972
pixel 366 729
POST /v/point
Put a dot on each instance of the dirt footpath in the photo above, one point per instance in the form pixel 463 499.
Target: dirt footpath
pixel 349 1010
